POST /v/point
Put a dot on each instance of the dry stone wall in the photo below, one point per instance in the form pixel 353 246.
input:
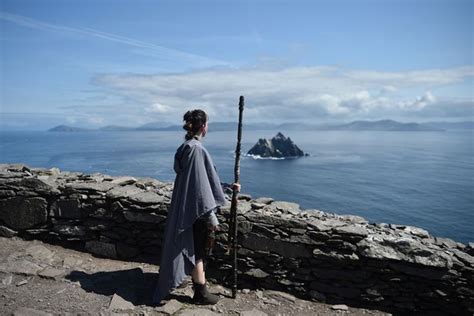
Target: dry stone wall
pixel 309 253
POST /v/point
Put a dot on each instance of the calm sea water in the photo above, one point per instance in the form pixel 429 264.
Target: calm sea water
pixel 424 179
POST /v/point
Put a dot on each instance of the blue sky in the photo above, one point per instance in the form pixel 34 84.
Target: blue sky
pixel 95 63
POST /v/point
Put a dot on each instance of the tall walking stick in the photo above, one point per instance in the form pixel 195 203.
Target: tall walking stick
pixel 233 206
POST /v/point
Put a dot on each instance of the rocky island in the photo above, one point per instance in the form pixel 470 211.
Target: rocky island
pixel 277 147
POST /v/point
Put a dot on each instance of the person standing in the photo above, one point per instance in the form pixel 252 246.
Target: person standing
pixel 191 219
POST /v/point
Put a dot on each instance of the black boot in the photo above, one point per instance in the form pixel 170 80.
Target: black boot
pixel 202 296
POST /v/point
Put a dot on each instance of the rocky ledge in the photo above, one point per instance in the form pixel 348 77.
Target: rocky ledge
pixel 338 259
pixel 277 147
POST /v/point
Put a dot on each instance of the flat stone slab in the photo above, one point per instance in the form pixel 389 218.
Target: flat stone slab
pixel 124 180
pixel 71 261
pixel 287 206
pixel 118 303
pixel 7 232
pixel 52 273
pixel 264 200
pixel 123 191
pixel 40 253
pixel 91 186
pixel 354 230
pixel 147 197
pixel 171 307
pixel 340 307
pixel 24 267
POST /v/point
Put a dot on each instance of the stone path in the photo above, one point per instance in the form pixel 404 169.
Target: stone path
pixel 42 279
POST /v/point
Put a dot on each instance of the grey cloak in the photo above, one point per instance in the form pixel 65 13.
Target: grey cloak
pixel 197 190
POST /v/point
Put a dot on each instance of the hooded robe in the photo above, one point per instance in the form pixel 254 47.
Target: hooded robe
pixel 197 190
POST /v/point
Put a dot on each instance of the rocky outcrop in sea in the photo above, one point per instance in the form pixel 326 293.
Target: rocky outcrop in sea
pixel 278 147
pixel 337 259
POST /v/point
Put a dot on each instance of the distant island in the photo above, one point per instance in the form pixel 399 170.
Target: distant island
pixel 278 147
pixel 380 125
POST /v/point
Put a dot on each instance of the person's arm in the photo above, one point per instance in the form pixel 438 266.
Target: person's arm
pixel 212 219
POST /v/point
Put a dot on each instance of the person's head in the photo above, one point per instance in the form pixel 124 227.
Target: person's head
pixel 195 123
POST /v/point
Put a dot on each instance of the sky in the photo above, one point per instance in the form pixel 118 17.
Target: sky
pixel 114 62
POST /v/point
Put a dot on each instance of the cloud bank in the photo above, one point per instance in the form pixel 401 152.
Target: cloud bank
pixel 309 94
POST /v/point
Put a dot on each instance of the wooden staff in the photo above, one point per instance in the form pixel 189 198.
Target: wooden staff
pixel 233 206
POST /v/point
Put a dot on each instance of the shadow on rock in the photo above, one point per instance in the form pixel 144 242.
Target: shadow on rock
pixel 132 285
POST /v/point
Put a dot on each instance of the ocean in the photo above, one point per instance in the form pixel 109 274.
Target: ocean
pixel 423 179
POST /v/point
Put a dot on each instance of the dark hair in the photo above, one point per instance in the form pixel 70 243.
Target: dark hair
pixel 194 120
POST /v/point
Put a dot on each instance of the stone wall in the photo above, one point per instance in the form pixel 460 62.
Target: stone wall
pixel 309 253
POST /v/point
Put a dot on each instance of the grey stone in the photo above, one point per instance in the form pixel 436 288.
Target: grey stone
pixel 37 186
pixel 464 257
pixel 352 230
pixel 90 186
pixel 147 198
pixel 243 207
pixel 402 249
pixel 144 217
pixel 340 307
pixel 7 232
pixel 244 197
pixel 71 261
pixel 101 248
pixel 264 200
pixel 71 230
pixel 26 311
pixel 354 219
pixel 7 193
pixel 118 303
pixel 441 293
pixel 283 248
pixel 23 267
pixel 417 231
pixel 66 209
pixel 334 255
pixel 123 191
pixel 124 180
pixel 171 307
pixel 445 242
pixel 20 213
pixel 257 205
pixel 293 208
pixel 22 282
pixel 257 273
pixel 334 222
pixel 52 273
pixel 40 254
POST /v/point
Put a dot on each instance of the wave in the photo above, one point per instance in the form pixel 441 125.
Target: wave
pixel 269 158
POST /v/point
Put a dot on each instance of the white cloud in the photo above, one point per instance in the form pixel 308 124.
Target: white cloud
pixel 298 93
pixel 158 108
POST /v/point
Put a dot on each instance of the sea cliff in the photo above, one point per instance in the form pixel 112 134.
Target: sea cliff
pixel 308 253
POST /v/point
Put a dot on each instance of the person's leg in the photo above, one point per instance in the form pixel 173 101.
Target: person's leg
pixel 198 272
pixel 201 294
